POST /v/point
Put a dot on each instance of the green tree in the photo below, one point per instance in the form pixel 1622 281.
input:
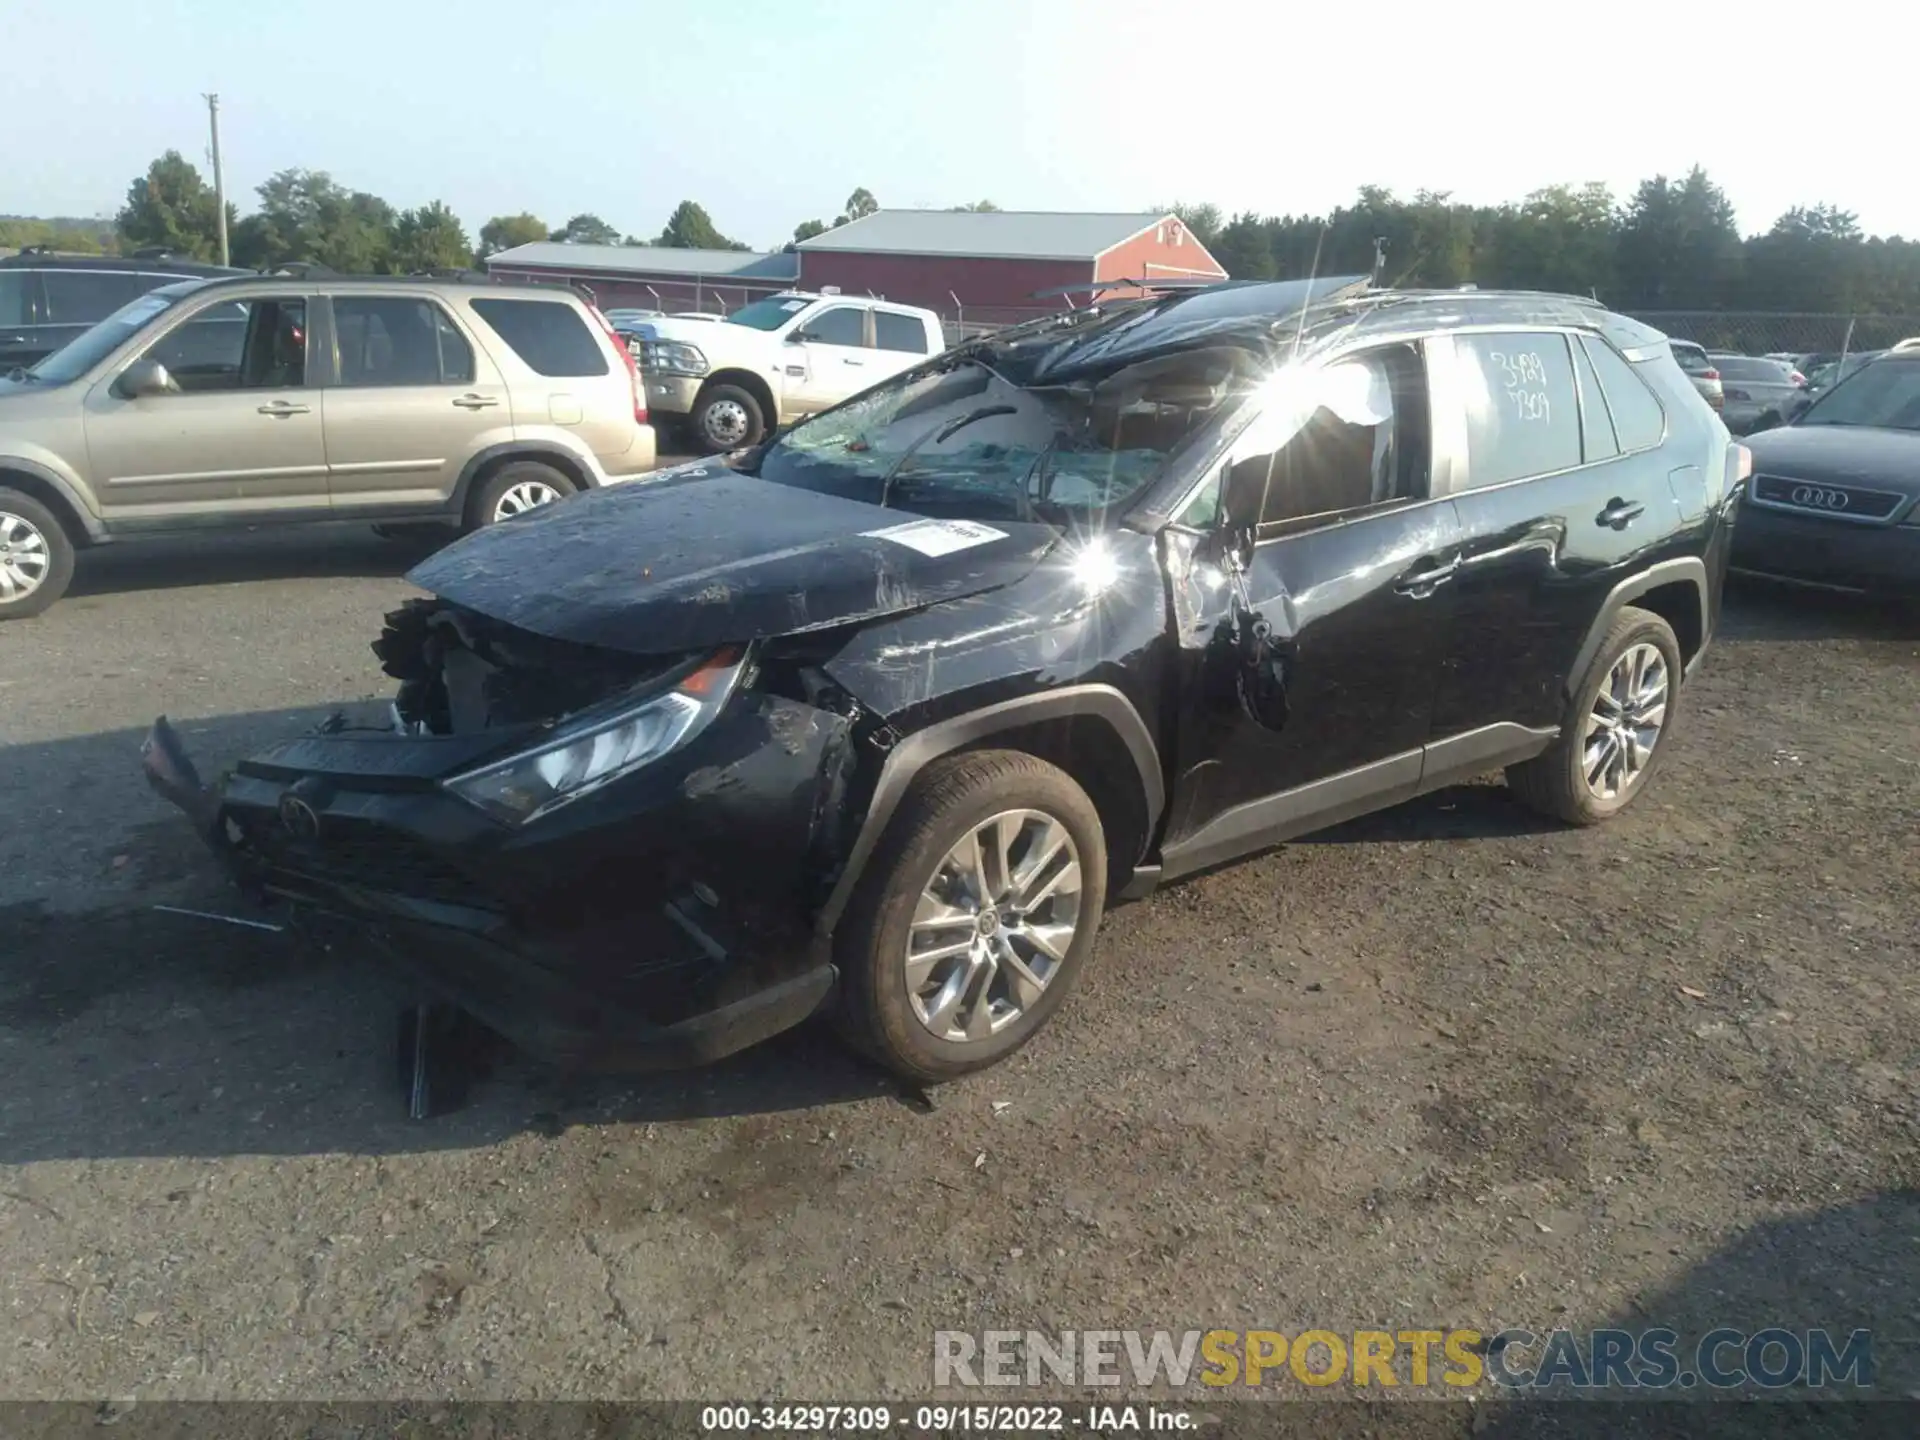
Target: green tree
pixel 691 228
pixel 429 238
pixel 1241 246
pixel 306 215
pixel 171 205
pixel 985 206
pixel 587 229
pixel 506 232
pixel 807 229
pixel 860 204
pixel 1679 248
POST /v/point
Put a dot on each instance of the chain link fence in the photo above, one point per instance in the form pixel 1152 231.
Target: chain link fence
pixel 1757 333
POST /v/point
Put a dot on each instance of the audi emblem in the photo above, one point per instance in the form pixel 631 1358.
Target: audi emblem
pixel 301 820
pixel 1818 497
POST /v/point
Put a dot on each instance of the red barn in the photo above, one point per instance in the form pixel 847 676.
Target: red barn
pixel 994 266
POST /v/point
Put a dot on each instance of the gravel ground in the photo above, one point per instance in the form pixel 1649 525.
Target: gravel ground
pixel 1443 1066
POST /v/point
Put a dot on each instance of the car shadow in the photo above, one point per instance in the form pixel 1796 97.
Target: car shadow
pixel 323 551
pixel 1847 1268
pixel 134 1030
pixel 1768 610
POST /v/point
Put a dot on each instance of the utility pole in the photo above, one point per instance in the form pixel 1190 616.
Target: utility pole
pixel 219 184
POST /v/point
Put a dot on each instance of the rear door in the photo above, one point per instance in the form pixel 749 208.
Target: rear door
pixel 409 400
pixel 564 377
pixel 240 438
pixel 900 341
pixel 838 355
pixel 1562 492
pixel 1309 657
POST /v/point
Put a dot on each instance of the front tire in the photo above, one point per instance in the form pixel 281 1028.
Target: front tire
pixel 726 418
pixel 36 556
pixel 513 489
pixel 963 942
pixel 1616 728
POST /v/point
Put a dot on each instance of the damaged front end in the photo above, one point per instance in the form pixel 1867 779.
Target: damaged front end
pixel 611 858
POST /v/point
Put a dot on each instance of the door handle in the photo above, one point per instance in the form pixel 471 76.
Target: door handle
pixel 1619 514
pixel 845 361
pixel 1420 583
pixel 280 409
pixel 475 402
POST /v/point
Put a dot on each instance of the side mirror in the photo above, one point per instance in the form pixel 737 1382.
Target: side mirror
pixel 143 378
pixel 798 337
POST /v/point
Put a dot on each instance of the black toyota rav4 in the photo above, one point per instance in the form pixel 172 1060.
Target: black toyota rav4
pixel 878 717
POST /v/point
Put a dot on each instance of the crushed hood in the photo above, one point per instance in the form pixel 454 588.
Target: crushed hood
pixel 702 555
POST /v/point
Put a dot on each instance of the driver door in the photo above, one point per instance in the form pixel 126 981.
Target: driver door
pixel 239 436
pixel 834 348
pixel 1310 593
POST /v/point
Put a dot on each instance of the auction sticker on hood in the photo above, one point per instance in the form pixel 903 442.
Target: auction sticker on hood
pixel 937 537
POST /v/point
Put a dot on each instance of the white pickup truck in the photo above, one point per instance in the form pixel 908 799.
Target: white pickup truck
pixel 774 360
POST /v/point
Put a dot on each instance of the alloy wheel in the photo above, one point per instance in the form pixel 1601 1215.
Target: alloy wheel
pixel 993 925
pixel 25 558
pixel 725 422
pixel 527 495
pixel 1624 724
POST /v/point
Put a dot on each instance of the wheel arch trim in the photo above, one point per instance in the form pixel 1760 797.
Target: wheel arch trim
pixel 913 754
pixel 1687 569
pixel 576 465
pixel 90 524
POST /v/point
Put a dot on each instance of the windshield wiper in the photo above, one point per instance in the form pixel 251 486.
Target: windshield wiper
pixel 938 432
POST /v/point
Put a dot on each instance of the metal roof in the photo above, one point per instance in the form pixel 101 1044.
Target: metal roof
pixel 1002 234
pixel 650 260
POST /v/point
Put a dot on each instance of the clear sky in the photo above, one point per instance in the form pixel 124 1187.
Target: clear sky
pixel 769 112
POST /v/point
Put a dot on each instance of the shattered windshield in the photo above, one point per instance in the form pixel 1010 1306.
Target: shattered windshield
pixel 963 441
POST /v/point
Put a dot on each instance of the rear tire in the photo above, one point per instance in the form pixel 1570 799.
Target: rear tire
pixel 36 556
pixel 1004 965
pixel 516 487
pixel 727 418
pixel 1617 727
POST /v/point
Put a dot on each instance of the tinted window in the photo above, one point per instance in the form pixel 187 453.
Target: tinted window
pixel 899 332
pixel 13 297
pixel 1522 418
pixel 247 345
pixel 393 341
pixel 548 335
pixel 84 297
pixel 842 325
pixel 1356 439
pixel 1740 367
pixel 1598 441
pixel 1638 420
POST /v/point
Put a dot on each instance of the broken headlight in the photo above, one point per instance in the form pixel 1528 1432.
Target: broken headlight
pixel 583 756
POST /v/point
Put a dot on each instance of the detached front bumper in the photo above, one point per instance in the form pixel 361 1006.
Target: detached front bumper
pixel 662 922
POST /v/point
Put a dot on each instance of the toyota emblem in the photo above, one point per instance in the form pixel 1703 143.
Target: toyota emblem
pixel 1819 497
pixel 301 820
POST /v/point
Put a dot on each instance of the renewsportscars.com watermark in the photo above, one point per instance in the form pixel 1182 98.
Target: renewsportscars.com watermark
pixel 1774 1358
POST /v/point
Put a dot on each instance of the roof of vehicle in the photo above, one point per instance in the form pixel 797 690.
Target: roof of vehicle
pixel 648 260
pixel 1276 315
pixel 1006 234
pixel 152 262
pixel 327 282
